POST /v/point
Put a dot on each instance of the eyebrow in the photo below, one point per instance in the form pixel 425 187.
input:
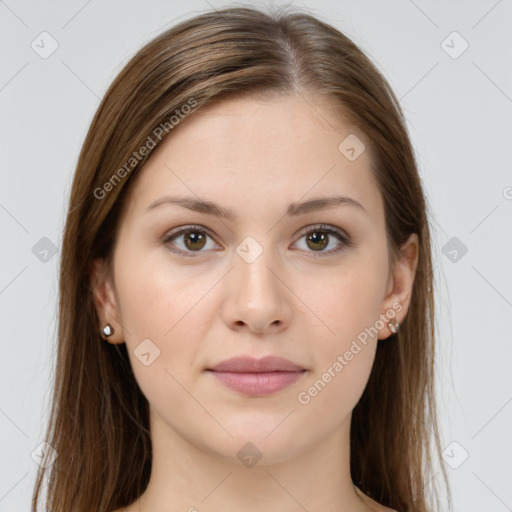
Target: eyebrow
pixel 294 209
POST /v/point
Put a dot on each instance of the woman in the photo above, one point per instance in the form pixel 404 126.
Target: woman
pixel 246 306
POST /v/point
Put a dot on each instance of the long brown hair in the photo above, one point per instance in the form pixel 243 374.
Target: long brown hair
pixel 99 422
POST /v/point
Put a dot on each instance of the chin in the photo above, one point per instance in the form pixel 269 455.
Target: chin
pixel 259 443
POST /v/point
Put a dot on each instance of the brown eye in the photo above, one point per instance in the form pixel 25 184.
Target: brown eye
pixel 317 240
pixel 192 238
pixel 321 236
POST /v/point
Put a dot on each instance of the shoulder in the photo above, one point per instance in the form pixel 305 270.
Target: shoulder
pixel 374 506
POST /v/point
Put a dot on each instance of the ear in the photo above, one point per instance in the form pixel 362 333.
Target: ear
pixel 400 284
pixel 105 300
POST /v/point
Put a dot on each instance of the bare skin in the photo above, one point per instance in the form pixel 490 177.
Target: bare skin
pixel 255 158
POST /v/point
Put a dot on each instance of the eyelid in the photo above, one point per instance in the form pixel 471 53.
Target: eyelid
pixel 343 237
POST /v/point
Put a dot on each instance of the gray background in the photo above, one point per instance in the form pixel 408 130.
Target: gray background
pixel 458 107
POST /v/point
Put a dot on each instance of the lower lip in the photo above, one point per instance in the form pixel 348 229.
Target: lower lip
pixel 257 384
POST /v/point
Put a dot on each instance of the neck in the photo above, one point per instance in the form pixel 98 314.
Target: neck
pixel 192 478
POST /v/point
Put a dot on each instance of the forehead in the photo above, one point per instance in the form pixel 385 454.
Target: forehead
pixel 245 152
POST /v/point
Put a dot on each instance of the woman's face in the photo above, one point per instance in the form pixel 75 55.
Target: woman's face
pixel 264 281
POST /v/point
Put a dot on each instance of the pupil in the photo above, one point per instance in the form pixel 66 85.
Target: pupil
pixel 314 238
pixel 194 237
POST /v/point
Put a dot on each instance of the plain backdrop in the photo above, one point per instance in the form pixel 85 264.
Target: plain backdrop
pixel 448 62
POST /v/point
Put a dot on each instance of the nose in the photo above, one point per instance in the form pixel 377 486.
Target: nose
pixel 257 298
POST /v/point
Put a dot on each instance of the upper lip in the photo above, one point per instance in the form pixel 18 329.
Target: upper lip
pixel 251 365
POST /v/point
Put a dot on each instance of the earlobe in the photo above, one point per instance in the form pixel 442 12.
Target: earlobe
pixel 400 286
pixel 109 328
pixel 107 331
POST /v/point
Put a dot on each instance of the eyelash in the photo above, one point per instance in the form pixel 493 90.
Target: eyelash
pixel 343 238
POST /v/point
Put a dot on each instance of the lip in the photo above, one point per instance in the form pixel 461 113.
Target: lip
pixel 245 364
pixel 257 377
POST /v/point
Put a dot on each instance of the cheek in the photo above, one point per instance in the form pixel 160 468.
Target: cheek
pixel 344 358
pixel 165 304
pixel 161 344
pixel 154 295
pixel 333 393
pixel 343 362
pixel 350 302
pixel 157 312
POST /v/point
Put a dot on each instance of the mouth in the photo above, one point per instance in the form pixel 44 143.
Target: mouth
pixel 257 377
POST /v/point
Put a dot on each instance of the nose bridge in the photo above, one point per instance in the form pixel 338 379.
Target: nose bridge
pixel 258 297
pixel 253 264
